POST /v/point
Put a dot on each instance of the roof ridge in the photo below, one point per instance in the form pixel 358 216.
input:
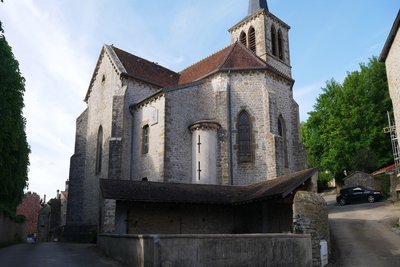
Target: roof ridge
pixel 205 58
pixel 228 55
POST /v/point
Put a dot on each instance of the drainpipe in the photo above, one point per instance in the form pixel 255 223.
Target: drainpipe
pixel 130 164
pixel 229 114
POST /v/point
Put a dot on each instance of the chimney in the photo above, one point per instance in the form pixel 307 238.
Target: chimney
pixel 44 199
pixel 66 185
pixel 58 194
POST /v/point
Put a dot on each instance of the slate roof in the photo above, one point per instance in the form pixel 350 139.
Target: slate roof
pixel 157 192
pixel 256 5
pixel 390 39
pixel 145 70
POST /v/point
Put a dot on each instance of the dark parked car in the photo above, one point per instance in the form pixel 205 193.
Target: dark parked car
pixel 357 194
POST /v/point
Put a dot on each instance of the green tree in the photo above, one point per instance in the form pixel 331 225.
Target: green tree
pixel 345 130
pixel 14 149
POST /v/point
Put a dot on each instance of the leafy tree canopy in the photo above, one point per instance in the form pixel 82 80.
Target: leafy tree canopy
pixel 14 149
pixel 345 130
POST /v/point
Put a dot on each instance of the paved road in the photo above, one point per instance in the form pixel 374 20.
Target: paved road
pixel 54 254
pixel 362 235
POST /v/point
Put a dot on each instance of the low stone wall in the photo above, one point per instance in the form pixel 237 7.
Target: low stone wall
pixel 208 250
pixel 310 216
pixel 10 231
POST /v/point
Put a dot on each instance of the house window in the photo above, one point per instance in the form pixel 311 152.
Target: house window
pixel 243 39
pixel 252 39
pixel 280 44
pixel 273 40
pixel 99 150
pixel 145 139
pixel 244 137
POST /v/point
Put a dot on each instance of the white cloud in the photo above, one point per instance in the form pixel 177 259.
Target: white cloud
pixel 57 72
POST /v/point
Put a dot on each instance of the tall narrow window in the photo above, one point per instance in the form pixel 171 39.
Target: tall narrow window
pixel 280 44
pixel 244 136
pixel 198 144
pixel 99 150
pixel 252 39
pixel 273 40
pixel 198 170
pixel 282 133
pixel 243 39
pixel 145 139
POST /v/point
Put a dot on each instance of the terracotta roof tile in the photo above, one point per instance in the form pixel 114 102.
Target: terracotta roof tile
pixel 205 66
pixel 242 58
pixel 235 56
pixel 145 70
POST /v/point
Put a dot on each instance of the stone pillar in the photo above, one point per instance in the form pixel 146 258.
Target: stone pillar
pixel 204 152
pixel 109 216
pixel 310 216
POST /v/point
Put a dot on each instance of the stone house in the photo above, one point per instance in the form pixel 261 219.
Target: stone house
pixel 49 220
pixel 227 120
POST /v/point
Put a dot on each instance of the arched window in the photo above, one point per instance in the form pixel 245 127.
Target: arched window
pixel 280 44
pixel 273 40
pixel 243 38
pixel 244 136
pixel 99 150
pixel 282 133
pixel 145 139
pixel 252 39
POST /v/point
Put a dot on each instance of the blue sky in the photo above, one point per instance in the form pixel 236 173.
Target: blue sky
pixel 57 44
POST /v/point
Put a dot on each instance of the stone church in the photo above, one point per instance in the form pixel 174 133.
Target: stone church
pixel 227 121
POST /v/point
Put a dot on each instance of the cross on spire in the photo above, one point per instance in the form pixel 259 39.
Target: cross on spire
pixel 256 5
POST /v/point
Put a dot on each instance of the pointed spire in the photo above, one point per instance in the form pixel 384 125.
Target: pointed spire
pixel 256 5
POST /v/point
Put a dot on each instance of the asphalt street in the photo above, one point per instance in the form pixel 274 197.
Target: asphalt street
pixel 362 234
pixel 54 254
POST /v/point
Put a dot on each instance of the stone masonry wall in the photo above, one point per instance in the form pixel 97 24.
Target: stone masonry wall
pixel 264 96
pixel 136 92
pixel 285 250
pixel 250 92
pixel 108 106
pixel 77 173
pixel 363 179
pixel 393 74
pixel 149 165
pixel 183 107
pixel 310 216
pixel 100 113
pixel 262 24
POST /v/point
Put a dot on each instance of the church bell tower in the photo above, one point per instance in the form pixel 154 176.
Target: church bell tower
pixel 264 34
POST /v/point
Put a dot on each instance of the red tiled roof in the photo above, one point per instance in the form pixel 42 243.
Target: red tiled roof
pixel 384 170
pixel 235 56
pixel 145 70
